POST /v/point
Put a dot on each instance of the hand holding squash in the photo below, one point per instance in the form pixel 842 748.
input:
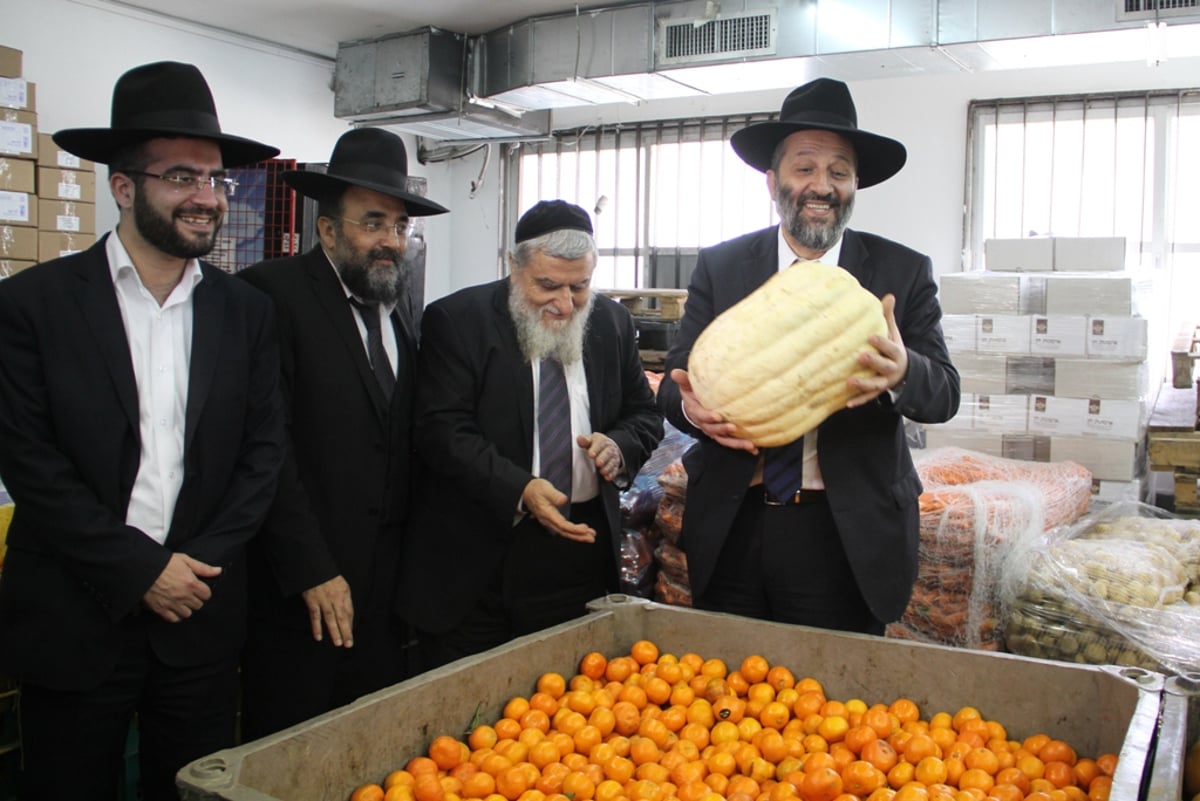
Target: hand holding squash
pixel 890 362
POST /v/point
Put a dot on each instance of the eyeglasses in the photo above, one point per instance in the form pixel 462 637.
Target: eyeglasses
pixel 375 226
pixel 186 182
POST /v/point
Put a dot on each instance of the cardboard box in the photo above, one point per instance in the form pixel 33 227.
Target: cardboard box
pixel 1058 335
pixel 18 93
pixel 67 215
pixel 980 293
pixel 1096 709
pixel 1117 338
pixel 1080 378
pixel 1107 459
pixel 1106 492
pixel 1105 295
pixel 1028 375
pixel 18 133
pixel 17 175
pixel 54 244
pixel 59 184
pixel 1019 255
pixel 958 331
pixel 981 372
pixel 1057 416
pixel 1089 253
pixel 1003 414
pixel 18 242
pixel 18 208
pixel 51 155
pixel 1026 447
pixel 1122 419
pixel 941 437
pixel 1002 333
pixel 10 62
pixel 10 267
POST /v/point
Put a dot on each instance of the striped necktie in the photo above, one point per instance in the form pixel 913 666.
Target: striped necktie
pixel 376 353
pixel 554 426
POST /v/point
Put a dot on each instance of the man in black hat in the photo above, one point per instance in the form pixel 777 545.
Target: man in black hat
pixel 823 531
pixel 532 409
pixel 141 435
pixel 323 631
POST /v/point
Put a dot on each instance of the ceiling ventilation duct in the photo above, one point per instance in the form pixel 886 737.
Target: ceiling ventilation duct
pixel 699 41
pixel 416 82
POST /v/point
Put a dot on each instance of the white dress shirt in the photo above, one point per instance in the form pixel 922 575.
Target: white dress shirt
pixel 160 347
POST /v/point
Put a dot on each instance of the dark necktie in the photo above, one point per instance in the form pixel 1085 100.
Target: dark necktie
pixel 375 350
pixel 783 470
pixel 554 426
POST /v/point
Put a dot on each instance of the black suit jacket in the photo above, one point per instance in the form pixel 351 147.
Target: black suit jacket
pixel 474 436
pixel 69 453
pixel 344 488
pixel 871 484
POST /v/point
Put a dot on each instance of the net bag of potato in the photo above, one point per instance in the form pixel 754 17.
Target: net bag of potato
pixel 778 362
pixel 1117 587
pixel 974 509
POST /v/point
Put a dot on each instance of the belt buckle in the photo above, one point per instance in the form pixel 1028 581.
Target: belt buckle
pixel 769 501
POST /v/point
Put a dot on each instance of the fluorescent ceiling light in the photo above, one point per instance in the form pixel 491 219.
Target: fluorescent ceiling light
pixel 719 79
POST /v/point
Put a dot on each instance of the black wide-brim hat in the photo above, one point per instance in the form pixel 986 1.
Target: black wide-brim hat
pixel 372 158
pixel 822 105
pixel 165 98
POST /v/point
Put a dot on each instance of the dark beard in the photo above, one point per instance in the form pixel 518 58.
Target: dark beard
pixel 368 280
pixel 813 237
pixel 161 232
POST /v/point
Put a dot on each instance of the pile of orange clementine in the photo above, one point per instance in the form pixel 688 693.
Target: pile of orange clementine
pixel 649 726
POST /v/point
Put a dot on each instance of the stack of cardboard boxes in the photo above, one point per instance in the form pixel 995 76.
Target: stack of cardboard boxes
pixel 1051 342
pixel 47 196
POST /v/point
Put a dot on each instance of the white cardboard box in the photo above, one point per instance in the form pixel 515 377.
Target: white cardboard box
pixel 1121 419
pixel 958 330
pixel 1058 335
pixel 964 419
pixel 1001 414
pixel 1029 375
pixel 1057 416
pixel 1021 255
pixel 981 372
pixel 1107 459
pixel 1002 333
pixel 1115 491
pixel 1108 295
pixel 1082 378
pixel 1089 253
pixel 941 437
pixel 980 292
pixel 1117 338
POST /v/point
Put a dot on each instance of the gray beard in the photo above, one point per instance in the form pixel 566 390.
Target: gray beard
pixel 538 342
pixel 813 237
pixel 373 283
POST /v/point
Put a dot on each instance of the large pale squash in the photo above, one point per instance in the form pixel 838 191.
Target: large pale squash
pixel 777 363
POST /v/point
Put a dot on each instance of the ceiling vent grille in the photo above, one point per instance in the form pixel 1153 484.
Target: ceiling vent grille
pixel 705 40
pixel 1150 9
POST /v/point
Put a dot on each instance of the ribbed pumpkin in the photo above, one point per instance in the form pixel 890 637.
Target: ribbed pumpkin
pixel 776 363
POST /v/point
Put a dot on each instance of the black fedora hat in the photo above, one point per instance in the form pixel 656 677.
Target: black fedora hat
pixel 823 105
pixel 165 98
pixel 368 157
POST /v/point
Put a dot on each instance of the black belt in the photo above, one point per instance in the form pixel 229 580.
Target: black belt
pixel 758 492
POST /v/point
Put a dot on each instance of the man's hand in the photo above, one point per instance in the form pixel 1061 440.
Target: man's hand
pixel 712 424
pixel 604 453
pixel 330 603
pixel 180 590
pixel 542 500
pixel 890 363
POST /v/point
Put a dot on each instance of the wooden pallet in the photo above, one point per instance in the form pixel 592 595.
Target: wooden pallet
pixel 1184 352
pixel 665 303
pixel 1175 445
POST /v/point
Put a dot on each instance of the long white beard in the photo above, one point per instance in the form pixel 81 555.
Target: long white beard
pixel 537 341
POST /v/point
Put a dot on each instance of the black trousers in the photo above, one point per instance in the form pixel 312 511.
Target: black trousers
pixel 787 564
pixel 288 677
pixel 543 581
pixel 73 743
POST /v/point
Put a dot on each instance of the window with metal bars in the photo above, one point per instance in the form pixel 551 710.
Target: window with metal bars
pixel 657 192
pixel 1093 165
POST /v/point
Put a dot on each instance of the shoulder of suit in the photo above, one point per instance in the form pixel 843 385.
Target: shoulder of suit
pixel 471 296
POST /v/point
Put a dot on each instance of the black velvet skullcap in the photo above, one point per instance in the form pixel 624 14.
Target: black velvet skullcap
pixel 552 215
